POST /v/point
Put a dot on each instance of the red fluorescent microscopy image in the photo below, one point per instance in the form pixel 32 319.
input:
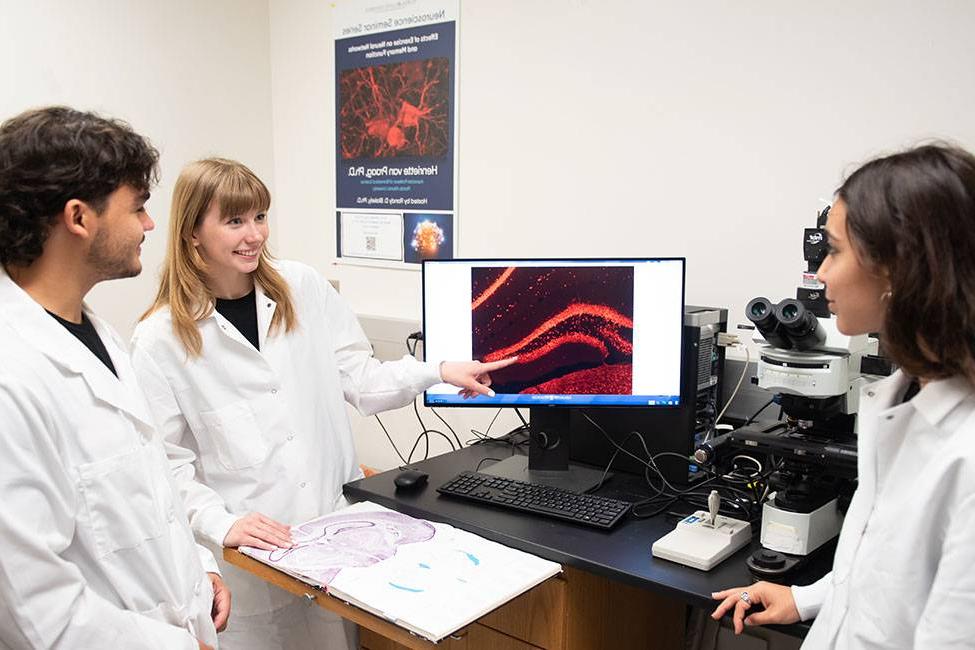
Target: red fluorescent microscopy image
pixel 572 328
pixel 396 109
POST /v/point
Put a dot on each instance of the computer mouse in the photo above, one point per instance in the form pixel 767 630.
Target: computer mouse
pixel 410 479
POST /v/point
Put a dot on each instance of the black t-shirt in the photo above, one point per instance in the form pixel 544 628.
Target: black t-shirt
pixel 242 314
pixel 913 389
pixel 85 332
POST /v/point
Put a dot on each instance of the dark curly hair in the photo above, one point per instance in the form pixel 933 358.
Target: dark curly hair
pixel 912 214
pixel 51 155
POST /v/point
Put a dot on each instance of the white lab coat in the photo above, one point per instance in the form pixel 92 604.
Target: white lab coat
pixel 904 571
pixel 96 548
pixel 267 430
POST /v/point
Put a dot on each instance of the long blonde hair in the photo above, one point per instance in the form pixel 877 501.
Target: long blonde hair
pixel 182 286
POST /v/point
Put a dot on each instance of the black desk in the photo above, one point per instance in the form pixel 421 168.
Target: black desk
pixel 622 554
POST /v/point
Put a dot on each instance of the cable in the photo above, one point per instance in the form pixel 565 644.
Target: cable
pixel 744 371
pixel 478 468
pixel 415 338
pixel 742 504
pixel 426 441
pixel 416 442
pixel 488 430
pixel 483 438
pixel 651 463
pixel 759 411
pixel 755 481
pixel 757 462
pixel 613 457
pixel 416 409
pixel 460 445
pixel 737 502
pixel 506 439
pixel 395 448
pixel 425 435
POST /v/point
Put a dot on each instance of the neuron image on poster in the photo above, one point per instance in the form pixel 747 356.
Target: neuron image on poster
pixel 395 109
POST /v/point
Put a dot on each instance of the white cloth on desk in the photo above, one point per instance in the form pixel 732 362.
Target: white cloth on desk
pixel 903 573
pixel 267 430
pixel 97 551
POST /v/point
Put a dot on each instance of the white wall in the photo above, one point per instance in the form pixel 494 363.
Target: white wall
pixel 194 77
pixel 706 129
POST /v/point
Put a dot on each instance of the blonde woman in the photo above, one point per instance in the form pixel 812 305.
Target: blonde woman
pixel 248 363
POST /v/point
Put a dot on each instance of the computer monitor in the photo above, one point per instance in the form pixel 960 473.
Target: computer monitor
pixel 588 333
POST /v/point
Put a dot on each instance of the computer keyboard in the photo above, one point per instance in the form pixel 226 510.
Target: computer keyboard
pixel 536 499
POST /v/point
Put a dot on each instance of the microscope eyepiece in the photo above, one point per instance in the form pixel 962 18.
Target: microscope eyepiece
pixel 799 324
pixel 762 314
pixel 759 309
pixel 787 325
pixel 789 311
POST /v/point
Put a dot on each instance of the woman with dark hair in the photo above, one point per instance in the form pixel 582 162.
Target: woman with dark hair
pixel 902 263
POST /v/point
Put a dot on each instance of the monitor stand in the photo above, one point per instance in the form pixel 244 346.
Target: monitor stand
pixel 547 462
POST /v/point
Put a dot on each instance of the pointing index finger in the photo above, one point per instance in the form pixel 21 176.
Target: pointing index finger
pixel 497 365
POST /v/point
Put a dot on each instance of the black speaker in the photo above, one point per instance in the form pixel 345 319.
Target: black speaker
pixel 548 446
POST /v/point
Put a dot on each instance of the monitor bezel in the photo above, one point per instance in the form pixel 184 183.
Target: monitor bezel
pixel 475 404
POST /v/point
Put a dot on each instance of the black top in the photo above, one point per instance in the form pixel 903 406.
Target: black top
pixel 85 332
pixel 912 389
pixel 242 314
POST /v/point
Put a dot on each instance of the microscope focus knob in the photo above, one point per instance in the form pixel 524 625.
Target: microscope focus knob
pixel 768 559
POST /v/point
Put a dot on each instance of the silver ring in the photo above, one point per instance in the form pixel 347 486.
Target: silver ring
pixel 745 598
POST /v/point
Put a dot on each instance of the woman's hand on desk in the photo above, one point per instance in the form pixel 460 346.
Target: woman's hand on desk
pixel 473 377
pixel 258 531
pixel 780 606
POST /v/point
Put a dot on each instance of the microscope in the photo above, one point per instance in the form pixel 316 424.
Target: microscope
pixel 815 374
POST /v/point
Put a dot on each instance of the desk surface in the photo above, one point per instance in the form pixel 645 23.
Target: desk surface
pixel 622 554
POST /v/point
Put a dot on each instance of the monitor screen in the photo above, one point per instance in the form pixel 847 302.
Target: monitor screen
pixel 587 332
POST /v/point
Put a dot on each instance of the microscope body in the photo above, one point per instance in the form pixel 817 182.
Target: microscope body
pixel 814 373
pixel 818 388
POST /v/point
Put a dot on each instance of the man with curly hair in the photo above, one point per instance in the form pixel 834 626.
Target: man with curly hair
pixel 96 545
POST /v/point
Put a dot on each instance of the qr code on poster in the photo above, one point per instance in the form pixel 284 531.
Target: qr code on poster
pixel 370 242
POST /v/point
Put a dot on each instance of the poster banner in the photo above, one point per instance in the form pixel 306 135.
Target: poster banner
pixel 396 126
pixel 371 235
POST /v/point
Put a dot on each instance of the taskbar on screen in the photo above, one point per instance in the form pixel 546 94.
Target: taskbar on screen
pixel 440 399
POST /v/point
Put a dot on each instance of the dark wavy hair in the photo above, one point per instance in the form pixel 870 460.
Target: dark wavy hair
pixel 912 215
pixel 51 155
